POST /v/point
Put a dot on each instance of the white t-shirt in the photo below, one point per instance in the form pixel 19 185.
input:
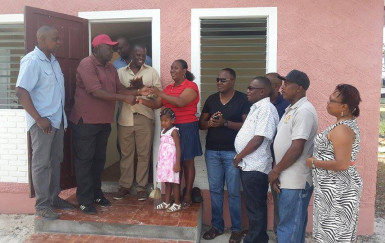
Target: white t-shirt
pixel 262 120
pixel 300 121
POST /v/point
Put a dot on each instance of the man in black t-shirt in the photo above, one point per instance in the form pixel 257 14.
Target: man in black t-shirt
pixel 223 115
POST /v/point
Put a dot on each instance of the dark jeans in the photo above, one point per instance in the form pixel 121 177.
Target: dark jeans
pixel 276 210
pixel 90 144
pixel 255 185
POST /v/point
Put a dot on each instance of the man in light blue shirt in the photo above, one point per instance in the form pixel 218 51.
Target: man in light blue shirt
pixel 125 56
pixel 40 89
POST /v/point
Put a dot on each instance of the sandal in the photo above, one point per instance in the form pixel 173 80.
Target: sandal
pixel 186 204
pixel 174 208
pixel 211 234
pixel 162 206
pixel 236 237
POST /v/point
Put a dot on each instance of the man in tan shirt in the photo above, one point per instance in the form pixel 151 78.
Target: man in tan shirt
pixel 136 126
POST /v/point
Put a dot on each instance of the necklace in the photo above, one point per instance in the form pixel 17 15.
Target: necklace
pixel 225 101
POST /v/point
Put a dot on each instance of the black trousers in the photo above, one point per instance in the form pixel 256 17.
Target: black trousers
pixel 90 144
pixel 255 185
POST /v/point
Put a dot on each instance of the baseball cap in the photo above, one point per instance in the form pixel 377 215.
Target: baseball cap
pixel 103 39
pixel 298 77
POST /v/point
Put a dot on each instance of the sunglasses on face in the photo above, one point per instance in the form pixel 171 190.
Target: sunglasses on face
pixel 222 80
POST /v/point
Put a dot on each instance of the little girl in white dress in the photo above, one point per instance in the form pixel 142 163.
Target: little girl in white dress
pixel 169 161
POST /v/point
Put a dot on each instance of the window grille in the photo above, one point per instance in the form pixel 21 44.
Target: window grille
pixel 11 51
pixel 239 44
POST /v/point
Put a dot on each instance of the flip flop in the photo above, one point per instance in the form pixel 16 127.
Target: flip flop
pixel 211 234
pixel 236 237
pixel 186 204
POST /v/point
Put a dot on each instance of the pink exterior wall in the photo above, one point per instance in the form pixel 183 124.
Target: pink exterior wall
pixel 333 41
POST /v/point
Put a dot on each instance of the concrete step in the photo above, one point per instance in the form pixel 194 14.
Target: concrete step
pixel 128 217
pixel 52 237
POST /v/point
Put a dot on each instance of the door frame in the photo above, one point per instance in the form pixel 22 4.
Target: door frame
pixel 140 15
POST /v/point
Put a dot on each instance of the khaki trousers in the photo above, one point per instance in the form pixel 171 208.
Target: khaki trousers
pixel 135 138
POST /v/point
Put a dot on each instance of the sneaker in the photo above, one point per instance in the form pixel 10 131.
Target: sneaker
pixel 60 203
pixel 121 193
pixel 47 213
pixel 104 202
pixel 88 209
pixel 142 196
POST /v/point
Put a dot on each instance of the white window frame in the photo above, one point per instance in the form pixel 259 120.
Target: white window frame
pixel 142 15
pixel 214 13
pixel 11 19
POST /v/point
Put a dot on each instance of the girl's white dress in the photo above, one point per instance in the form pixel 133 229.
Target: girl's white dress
pixel 167 158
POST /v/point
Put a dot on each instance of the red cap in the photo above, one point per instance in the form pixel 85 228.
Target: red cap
pixel 103 39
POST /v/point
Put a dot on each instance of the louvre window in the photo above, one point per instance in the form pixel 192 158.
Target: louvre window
pixel 11 51
pixel 239 44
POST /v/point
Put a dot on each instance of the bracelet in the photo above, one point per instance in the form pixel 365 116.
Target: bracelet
pixel 226 123
pixel 138 91
pixel 312 164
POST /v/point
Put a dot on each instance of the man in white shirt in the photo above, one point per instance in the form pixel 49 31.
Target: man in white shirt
pixel 253 157
pixel 291 178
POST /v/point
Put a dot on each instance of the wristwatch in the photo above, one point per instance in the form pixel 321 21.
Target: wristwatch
pixel 312 164
pixel 226 123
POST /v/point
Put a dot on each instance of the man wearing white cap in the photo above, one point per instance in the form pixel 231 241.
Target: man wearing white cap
pixel 97 90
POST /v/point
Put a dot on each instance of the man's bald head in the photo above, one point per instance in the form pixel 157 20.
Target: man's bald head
pixel 43 31
pixel 276 82
pixel 274 78
pixel 47 39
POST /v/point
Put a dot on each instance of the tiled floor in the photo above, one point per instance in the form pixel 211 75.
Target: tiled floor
pixel 44 237
pixel 133 212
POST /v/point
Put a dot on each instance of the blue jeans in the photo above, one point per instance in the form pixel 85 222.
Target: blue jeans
pixel 220 169
pixel 255 185
pixel 293 204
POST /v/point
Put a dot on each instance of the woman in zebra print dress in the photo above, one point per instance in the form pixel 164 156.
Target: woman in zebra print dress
pixel 337 184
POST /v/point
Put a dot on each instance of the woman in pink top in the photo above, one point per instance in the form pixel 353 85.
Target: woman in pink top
pixel 182 96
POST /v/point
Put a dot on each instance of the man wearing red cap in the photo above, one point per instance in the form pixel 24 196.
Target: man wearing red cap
pixel 97 90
